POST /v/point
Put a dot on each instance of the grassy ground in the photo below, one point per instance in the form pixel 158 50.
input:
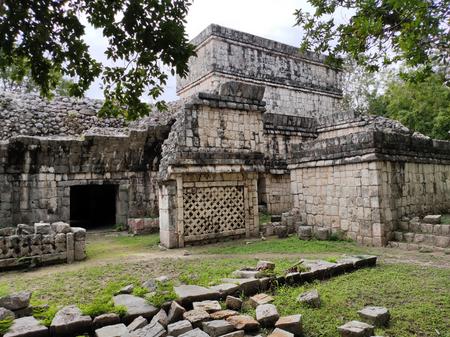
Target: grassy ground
pixel 418 296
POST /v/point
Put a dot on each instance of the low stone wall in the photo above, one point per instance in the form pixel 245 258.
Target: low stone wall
pixel 41 244
pixel 138 226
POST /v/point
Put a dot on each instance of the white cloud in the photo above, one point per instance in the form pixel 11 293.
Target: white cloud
pixel 266 18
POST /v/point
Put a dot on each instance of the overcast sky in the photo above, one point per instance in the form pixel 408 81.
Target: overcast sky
pixel 267 18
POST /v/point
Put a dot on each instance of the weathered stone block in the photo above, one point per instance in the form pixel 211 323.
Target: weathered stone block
pixel 356 329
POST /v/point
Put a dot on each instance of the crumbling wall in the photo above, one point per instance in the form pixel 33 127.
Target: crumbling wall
pixel 29 114
pixel 43 243
pixel 38 173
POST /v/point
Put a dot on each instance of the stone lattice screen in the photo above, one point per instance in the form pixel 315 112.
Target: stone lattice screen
pixel 212 210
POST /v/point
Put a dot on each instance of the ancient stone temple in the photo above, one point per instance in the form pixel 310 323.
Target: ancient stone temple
pixel 258 126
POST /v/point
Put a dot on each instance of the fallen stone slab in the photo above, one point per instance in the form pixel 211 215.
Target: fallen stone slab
pixel 321 233
pixel 6 314
pixel 248 286
pixel 209 306
pixel 248 273
pixel 117 330
pixel 27 327
pixel 292 324
pixel 378 316
pixel 176 312
pixel 16 301
pixel 310 298
pixel 70 321
pixel 217 328
pixel 161 317
pixel 179 328
pixel 135 306
pixel 356 329
pixel 105 320
pixel 223 314
pixel 280 333
pixel 138 323
pixel 155 330
pixel 196 317
pixel 244 322
pixel 432 219
pixel 260 299
pixel 267 315
pixel 233 303
pixel 195 333
pixel 239 333
pixel 192 293
pixel 293 278
pixel 226 289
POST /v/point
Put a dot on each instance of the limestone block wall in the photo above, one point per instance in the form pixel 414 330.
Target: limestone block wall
pixel 342 197
pixel 43 243
pixel 410 189
pixel 363 184
pixel 296 84
pixel 274 191
pixel 37 174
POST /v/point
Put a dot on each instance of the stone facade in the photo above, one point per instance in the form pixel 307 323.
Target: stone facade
pixel 258 126
pixel 296 84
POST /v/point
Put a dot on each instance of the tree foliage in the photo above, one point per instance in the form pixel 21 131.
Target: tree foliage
pixel 380 32
pixel 421 106
pixel 144 36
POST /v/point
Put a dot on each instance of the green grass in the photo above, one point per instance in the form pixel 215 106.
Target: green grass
pixel 291 245
pixel 264 217
pixel 445 219
pixel 5 324
pixel 120 245
pixel 417 298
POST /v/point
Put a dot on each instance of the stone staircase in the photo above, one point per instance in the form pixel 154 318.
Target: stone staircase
pixel 427 233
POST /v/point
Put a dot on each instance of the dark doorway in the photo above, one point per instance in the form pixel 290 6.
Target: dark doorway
pixel 93 206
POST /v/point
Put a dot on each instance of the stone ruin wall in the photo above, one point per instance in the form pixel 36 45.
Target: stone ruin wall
pixel 30 115
pixel 296 84
pixel 364 184
pixel 41 244
pixel 37 174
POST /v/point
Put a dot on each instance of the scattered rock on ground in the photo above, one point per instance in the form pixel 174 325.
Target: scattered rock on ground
pixel 196 317
pixel 179 328
pixel 16 301
pixel 195 333
pixel 25 327
pixel 70 321
pixel 292 324
pixel 117 330
pixel 280 333
pixel 311 298
pixel 105 319
pixel 267 315
pixel 193 293
pixel 260 299
pixel 218 328
pixel 155 330
pixel 135 306
pixel 175 313
pixel 244 322
pixel 161 317
pixel 356 329
pixel 378 316
pixel 6 314
pixel 138 323
pixel 233 303
pixel 223 314
pixel 209 306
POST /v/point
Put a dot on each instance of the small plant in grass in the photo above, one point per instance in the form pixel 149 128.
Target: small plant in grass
pixel 264 217
pixel 164 293
pixel 331 259
pixel 45 314
pixel 140 291
pixel 5 324
pixel 120 227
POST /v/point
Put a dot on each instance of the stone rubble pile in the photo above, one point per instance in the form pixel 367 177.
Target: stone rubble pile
pixel 427 233
pixel 43 243
pixel 198 312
